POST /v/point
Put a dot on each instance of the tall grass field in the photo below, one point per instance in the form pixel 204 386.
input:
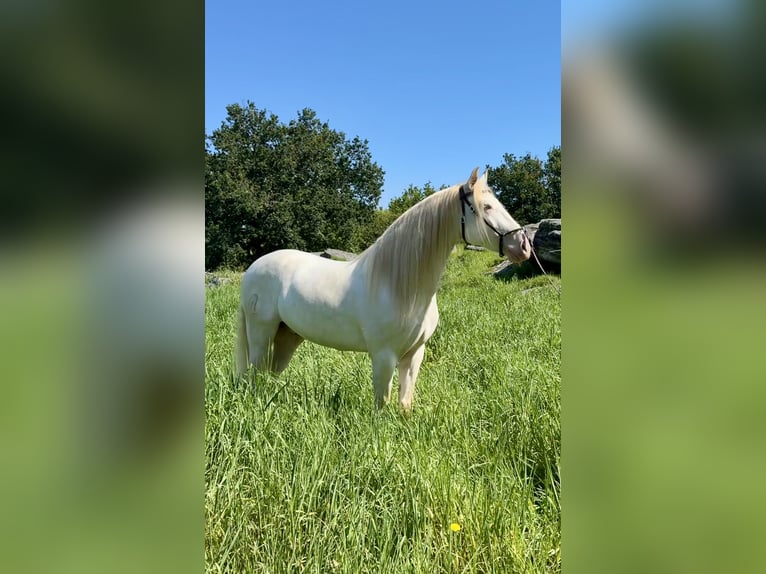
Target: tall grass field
pixel 303 474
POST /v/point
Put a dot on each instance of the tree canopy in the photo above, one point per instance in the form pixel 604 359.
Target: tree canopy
pixel 410 197
pixel 271 185
pixel 529 188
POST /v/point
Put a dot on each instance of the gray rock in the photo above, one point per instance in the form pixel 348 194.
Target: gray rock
pixel 337 254
pixel 214 281
pixel 547 244
pixel 546 241
pixel 531 231
pixel 501 267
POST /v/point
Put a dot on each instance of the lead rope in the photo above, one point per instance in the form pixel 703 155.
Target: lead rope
pixel 532 249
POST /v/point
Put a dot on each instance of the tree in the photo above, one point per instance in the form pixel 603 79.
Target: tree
pixel 383 218
pixel 364 236
pixel 552 178
pixel 529 188
pixel 410 197
pixel 270 185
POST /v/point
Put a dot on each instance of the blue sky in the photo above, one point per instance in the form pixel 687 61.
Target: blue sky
pixel 436 88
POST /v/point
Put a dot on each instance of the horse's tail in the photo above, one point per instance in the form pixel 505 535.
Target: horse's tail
pixel 241 345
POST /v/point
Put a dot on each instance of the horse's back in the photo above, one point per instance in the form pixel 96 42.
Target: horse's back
pixel 290 267
pixel 314 296
pixel 264 280
pixel 274 267
pixel 276 262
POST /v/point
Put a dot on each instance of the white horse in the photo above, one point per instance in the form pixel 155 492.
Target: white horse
pixel 384 301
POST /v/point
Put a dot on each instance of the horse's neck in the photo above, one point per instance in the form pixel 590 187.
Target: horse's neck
pixel 437 262
pixel 418 252
pixel 439 254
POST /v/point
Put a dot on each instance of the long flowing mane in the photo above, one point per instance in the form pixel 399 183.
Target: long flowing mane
pixel 409 257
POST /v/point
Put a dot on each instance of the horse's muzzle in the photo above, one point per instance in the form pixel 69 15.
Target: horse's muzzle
pixel 517 247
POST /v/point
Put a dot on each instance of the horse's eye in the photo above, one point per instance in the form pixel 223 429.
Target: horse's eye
pixel 487 207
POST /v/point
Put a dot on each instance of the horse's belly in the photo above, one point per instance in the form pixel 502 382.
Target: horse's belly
pixel 323 325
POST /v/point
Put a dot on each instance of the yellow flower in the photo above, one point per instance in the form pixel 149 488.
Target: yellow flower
pixel 455 527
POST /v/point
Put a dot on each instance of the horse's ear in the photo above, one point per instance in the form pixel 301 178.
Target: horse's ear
pixel 473 178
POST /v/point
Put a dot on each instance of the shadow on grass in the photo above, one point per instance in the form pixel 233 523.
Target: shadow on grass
pixel 526 270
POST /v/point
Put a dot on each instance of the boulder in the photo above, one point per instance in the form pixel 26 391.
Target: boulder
pixel 336 254
pixel 546 241
pixel 215 281
pixel 531 230
pixel 547 244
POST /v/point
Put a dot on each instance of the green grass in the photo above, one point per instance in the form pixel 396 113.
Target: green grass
pixel 303 475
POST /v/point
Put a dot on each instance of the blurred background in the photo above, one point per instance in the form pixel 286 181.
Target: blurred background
pixel 664 163
pixel 101 289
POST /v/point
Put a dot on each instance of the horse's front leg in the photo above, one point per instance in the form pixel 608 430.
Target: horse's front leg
pixel 383 365
pixel 409 367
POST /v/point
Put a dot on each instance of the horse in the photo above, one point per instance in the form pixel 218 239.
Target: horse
pixel 384 301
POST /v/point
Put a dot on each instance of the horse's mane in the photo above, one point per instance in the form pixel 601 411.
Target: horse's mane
pixel 409 257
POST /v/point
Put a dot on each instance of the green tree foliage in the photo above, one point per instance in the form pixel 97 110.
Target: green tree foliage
pixel 410 197
pixel 529 188
pixel 552 176
pixel 270 185
pixel 302 185
pixel 365 236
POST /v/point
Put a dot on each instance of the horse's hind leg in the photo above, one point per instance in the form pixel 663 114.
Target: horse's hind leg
pixel 285 342
pixel 260 336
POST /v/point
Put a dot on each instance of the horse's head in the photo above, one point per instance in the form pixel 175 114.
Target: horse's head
pixel 488 224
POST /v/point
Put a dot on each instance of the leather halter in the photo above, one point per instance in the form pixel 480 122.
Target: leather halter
pixel 463 202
